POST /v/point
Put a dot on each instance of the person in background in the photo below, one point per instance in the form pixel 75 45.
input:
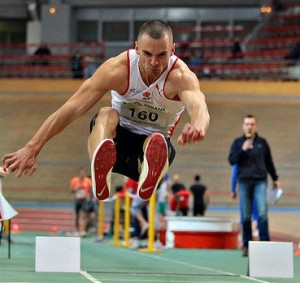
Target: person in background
pixel 80 186
pixel 91 213
pixel 90 65
pixel 177 185
pixel 77 65
pixel 175 200
pixel 139 213
pixel 200 196
pixel 253 157
pixel 293 54
pixel 236 50
pixel 162 200
pixel 41 55
pixel 180 202
pixel 234 195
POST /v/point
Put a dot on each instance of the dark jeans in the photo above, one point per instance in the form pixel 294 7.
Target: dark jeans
pixel 254 192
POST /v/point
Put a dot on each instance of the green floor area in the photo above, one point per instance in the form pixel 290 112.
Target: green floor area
pixel 102 262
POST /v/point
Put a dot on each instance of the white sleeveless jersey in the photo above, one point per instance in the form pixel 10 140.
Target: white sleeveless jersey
pixel 145 109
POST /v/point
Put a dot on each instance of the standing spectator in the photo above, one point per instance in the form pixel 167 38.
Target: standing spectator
pixel 180 202
pixel 179 196
pixel 90 65
pixel 253 157
pixel 91 213
pixel 236 50
pixel 80 185
pixel 294 54
pixel 201 196
pixel 234 195
pixel 162 199
pixel 177 185
pixel 138 212
pixel 41 55
pixel 77 65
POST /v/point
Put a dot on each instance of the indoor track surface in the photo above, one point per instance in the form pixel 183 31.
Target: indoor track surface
pixel 104 263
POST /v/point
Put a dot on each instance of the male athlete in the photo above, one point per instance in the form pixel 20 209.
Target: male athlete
pixel 150 88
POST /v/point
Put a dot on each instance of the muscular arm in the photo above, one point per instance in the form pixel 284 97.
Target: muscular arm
pixel 190 94
pixel 91 91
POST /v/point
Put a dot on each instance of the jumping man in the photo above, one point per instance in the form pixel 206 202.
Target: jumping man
pixel 150 88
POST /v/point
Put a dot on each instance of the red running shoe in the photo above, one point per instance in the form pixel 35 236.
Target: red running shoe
pixel 154 166
pixel 103 161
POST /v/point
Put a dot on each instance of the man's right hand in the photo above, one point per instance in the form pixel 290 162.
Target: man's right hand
pixel 22 162
pixel 248 144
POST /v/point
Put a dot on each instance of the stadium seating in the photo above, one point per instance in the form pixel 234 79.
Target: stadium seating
pixel 16 62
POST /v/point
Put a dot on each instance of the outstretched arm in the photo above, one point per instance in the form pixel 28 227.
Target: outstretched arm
pixel 194 101
pixel 91 91
pixel 24 160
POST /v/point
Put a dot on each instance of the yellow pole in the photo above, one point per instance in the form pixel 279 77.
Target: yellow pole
pixel 6 226
pixel 127 220
pixel 117 221
pixel 151 229
pixel 101 220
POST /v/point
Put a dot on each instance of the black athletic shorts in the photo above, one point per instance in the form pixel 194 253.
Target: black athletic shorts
pixel 80 205
pixel 130 155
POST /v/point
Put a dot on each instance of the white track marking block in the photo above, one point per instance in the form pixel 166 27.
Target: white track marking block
pixel 57 254
pixel 271 259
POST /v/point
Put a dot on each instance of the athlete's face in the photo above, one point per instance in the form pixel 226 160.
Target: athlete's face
pixel 154 54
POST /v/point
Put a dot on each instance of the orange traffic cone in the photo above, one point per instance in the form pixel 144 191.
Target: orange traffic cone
pixel 298 251
pixel 15 228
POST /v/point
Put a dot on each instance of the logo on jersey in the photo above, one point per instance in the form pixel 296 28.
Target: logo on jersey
pixel 146 95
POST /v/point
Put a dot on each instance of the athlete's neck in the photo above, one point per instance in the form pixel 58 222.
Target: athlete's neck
pixel 149 78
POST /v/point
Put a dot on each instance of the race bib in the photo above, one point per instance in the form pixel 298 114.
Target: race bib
pixel 144 113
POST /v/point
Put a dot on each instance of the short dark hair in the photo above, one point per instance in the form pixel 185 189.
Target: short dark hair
pixel 249 116
pixel 156 29
pixel 197 178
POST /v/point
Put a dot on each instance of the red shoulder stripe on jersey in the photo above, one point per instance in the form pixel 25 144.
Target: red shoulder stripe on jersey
pixel 128 73
pixel 172 67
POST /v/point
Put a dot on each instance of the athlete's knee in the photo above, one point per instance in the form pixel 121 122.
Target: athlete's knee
pixel 108 115
pixel 108 112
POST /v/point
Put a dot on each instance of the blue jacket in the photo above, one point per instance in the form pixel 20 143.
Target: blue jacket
pixel 253 164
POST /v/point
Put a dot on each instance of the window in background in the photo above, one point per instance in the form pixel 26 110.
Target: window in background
pixel 87 31
pixel 116 31
pixel 137 26
pixel 12 31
